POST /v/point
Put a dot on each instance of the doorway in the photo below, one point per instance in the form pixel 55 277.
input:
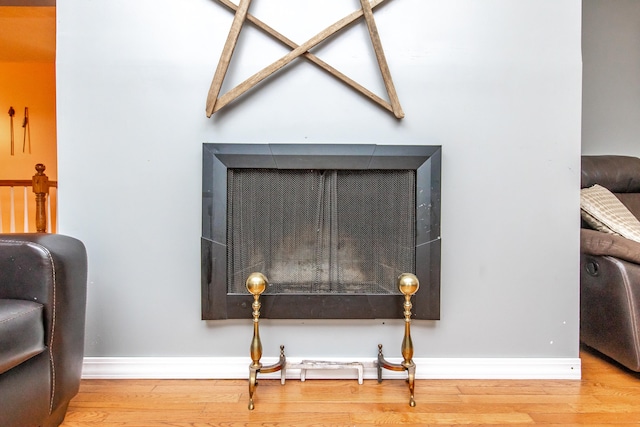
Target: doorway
pixel 27 102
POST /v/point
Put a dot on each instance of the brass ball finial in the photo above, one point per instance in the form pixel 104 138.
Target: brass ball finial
pixel 256 283
pixel 408 283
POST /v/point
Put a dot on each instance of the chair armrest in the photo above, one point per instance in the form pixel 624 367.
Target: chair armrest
pixel 51 269
pixel 597 243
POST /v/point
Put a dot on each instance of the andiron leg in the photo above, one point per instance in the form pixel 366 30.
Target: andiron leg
pixel 408 285
pixel 256 284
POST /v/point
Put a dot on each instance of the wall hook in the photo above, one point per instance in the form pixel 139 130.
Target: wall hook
pixel 27 130
pixel 12 113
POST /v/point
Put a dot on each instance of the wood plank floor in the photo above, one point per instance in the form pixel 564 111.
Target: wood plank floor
pixel 607 395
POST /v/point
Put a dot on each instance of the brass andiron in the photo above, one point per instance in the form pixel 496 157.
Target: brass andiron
pixel 408 284
pixel 256 284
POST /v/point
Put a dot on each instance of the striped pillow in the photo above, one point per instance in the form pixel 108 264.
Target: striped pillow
pixel 602 210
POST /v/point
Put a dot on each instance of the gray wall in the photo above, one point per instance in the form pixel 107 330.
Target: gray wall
pixel 497 83
pixel 611 79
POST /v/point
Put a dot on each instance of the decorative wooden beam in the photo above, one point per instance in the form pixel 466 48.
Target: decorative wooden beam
pixel 382 60
pixel 216 102
pixel 313 58
pixel 227 52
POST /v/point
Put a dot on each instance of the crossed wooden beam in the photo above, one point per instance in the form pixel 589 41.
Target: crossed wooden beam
pixel 215 102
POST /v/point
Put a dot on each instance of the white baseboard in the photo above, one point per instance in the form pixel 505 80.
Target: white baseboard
pixel 238 368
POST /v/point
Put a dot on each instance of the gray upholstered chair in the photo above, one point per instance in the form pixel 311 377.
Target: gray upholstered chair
pixel 43 279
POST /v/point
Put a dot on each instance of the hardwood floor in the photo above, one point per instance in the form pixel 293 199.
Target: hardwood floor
pixel 607 395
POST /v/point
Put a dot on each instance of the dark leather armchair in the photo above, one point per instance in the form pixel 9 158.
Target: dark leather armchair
pixel 610 267
pixel 43 279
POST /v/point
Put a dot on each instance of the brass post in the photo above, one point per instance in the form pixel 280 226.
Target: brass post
pixel 256 284
pixel 40 186
pixel 408 284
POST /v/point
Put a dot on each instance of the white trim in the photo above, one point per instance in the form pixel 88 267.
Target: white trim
pixel 238 368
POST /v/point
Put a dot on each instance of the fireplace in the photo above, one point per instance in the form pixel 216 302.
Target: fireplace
pixel 330 226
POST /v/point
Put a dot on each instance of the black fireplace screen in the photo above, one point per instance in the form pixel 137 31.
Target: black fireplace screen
pixel 320 231
pixel 331 226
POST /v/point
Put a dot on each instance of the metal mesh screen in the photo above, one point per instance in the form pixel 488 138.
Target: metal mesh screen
pixel 320 231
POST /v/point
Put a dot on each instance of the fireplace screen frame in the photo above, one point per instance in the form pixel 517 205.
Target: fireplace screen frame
pixel 218 303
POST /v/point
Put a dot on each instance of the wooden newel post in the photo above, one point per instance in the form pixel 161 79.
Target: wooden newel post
pixel 40 185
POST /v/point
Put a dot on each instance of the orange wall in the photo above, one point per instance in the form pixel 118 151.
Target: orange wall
pixel 29 85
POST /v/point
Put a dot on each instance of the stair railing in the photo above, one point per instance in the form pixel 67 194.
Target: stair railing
pixel 41 186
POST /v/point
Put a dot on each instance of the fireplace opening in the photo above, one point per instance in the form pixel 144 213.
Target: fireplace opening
pixel 331 227
pixel 320 231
